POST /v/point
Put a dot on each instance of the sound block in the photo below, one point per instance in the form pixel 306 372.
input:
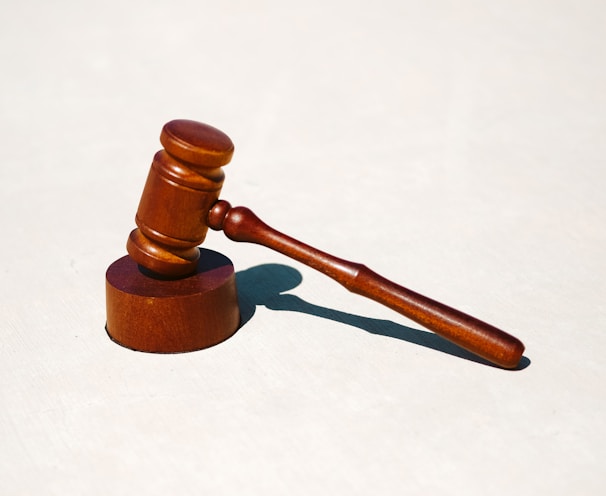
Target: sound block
pixel 148 313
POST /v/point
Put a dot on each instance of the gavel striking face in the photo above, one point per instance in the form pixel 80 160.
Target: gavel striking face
pixel 180 201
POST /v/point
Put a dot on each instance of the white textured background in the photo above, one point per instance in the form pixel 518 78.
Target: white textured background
pixel 459 148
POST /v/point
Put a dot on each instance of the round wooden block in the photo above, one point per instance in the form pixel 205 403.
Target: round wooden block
pixel 147 313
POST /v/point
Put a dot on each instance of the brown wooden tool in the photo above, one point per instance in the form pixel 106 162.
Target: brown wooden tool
pixel 180 201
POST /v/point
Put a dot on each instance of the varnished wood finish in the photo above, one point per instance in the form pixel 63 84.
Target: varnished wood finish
pixel 183 302
pixel 146 313
pixel 183 183
pixel 179 203
pixel 484 340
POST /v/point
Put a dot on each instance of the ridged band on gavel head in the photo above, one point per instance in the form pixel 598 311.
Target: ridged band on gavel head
pixel 184 182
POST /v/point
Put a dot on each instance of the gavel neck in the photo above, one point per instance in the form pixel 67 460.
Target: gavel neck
pixel 241 224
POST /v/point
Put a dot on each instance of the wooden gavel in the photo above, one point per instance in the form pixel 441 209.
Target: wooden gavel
pixel 180 201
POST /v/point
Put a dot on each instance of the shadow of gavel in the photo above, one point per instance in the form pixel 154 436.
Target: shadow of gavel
pixel 181 201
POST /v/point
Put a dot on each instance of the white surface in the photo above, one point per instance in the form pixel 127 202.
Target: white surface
pixel 456 147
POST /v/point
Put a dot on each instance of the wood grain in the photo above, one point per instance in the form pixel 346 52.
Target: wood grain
pixel 480 338
pixel 180 202
pixel 148 313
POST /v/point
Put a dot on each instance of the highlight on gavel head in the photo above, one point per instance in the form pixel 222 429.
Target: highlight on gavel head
pixel 184 182
pixel 168 295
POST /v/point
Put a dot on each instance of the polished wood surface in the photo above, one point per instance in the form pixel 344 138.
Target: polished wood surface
pixel 164 297
pixel 183 183
pixel 484 340
pixel 180 202
pixel 147 313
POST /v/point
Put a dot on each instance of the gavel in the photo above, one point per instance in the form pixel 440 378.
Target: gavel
pixel 168 295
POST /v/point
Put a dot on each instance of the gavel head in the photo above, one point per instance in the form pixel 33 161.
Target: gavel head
pixel 184 182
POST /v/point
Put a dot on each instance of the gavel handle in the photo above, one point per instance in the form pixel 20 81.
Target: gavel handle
pixel 484 340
